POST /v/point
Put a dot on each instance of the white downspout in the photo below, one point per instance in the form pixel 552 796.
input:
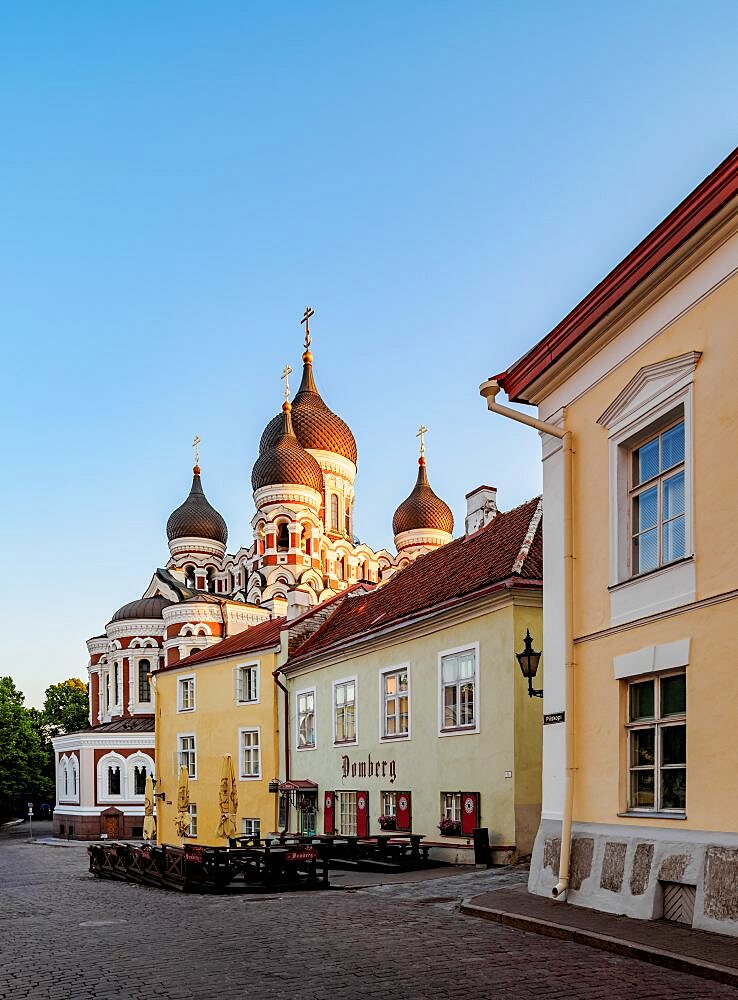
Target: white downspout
pixel 489 390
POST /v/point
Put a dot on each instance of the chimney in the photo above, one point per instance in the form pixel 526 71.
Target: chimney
pixel 298 603
pixel 481 508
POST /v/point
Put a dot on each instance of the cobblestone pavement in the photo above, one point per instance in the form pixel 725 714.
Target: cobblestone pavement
pixel 65 935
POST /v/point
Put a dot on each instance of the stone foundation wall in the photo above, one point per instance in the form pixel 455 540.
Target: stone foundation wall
pixel 624 869
pixel 90 827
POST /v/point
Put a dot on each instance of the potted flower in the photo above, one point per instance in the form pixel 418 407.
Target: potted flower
pixel 387 822
pixel 450 827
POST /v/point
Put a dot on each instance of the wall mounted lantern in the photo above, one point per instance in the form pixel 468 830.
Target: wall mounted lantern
pixel 529 661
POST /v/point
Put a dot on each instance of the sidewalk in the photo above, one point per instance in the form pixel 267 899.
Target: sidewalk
pixel 675 946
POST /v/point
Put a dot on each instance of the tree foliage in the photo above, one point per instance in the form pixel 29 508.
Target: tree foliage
pixel 27 771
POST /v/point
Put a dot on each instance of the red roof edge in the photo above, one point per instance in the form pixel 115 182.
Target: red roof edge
pixel 707 198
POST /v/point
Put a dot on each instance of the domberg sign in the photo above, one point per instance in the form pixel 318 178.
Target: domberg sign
pixel 368 768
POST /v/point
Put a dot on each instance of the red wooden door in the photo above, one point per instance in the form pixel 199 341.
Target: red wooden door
pixel 112 827
pixel 403 811
pixel 329 824
pixel 469 812
pixel 362 814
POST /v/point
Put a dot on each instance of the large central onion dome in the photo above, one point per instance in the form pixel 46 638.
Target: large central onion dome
pixel 422 509
pixel 196 518
pixel 314 424
pixel 285 461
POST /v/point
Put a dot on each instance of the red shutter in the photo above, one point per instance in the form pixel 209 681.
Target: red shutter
pixel 469 812
pixel 362 814
pixel 403 811
pixel 329 825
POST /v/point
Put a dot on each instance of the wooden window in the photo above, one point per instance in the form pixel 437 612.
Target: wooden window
pixel 657 501
pixel 186 693
pixel 458 690
pixel 250 753
pixel 306 720
pixel 346 813
pixel 247 678
pixel 144 680
pixel 657 743
pixel 188 754
pixel 192 829
pixel 251 828
pixel 344 707
pixel 396 703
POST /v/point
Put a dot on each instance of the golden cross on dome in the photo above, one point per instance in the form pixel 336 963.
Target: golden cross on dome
pixel 306 320
pixel 286 372
pixel 422 431
pixel 195 445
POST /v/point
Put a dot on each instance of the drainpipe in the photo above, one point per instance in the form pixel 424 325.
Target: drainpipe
pixel 489 390
pixel 277 681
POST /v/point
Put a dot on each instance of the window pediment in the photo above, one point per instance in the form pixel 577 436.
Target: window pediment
pixel 649 389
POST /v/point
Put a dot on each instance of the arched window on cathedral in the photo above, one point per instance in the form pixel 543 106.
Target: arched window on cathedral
pixel 348 519
pixel 334 512
pixel 139 780
pixel 113 780
pixel 283 537
pixel 190 577
pixel 144 680
pixel 196 649
pixel 210 581
pixel 75 777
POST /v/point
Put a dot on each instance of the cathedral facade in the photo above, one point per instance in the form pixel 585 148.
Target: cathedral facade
pixel 302 553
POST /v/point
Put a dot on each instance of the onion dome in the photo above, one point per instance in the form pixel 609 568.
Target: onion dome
pixel 422 509
pixel 285 461
pixel 196 518
pixel 314 424
pixel 145 607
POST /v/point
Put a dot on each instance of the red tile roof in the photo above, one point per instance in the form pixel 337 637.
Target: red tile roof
pixel 697 208
pixel 453 573
pixel 261 636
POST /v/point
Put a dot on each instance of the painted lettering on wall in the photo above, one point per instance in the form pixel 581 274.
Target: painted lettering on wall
pixel 368 768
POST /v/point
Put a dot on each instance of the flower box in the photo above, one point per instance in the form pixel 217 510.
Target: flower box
pixel 387 822
pixel 450 827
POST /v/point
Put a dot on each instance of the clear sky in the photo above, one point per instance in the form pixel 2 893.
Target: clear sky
pixel 442 182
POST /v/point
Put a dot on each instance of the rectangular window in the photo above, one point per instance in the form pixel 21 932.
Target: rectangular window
pixel 144 680
pixel 186 694
pixel 344 707
pixel 139 780
pixel 192 829
pixel 113 781
pixel 657 501
pixel 657 743
pixel 451 806
pixel 116 685
pixel 251 828
pixel 187 755
pixel 458 690
pixel 250 754
pixel 306 720
pixel 396 703
pixel 346 818
pixel 246 684
pixel 389 804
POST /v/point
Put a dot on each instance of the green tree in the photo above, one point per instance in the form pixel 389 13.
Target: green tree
pixel 66 707
pixel 23 756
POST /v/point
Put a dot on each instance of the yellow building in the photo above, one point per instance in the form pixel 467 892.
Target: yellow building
pixel 219 701
pixel 641 377
pixel 407 707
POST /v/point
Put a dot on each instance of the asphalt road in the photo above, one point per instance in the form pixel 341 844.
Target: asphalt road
pixel 68 936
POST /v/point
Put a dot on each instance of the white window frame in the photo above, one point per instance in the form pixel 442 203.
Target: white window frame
pixel 239 669
pixel 656 393
pixel 389 803
pixel 254 829
pixel 459 730
pixel 193 751
pixel 314 745
pixel 455 811
pixel 111 759
pixel 192 828
pixel 384 672
pixel 181 681
pixel 152 661
pixel 339 798
pixel 242 753
pixel 336 684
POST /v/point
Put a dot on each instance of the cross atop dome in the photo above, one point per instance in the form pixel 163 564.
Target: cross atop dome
pixel 306 320
pixel 422 431
pixel 196 446
pixel 286 372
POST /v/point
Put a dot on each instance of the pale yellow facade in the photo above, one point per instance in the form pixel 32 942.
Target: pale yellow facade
pixel 665 359
pixel 500 760
pixel 223 711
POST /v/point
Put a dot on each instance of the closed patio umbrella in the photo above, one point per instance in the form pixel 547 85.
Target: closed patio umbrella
pixel 149 829
pixel 227 800
pixel 182 819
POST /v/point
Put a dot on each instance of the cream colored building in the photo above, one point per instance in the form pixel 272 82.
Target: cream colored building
pixel 408 703
pixel 642 375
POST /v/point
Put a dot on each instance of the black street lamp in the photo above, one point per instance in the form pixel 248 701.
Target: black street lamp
pixel 528 661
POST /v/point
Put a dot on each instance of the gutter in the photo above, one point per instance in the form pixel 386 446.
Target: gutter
pixel 489 390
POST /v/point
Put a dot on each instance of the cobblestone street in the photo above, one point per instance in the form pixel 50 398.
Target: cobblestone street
pixel 66 935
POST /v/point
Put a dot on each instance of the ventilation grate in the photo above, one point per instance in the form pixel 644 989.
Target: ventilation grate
pixel 679 902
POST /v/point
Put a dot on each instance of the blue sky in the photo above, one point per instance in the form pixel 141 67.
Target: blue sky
pixel 442 182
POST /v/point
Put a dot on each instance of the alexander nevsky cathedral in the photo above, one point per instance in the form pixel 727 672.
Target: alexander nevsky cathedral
pixel 303 552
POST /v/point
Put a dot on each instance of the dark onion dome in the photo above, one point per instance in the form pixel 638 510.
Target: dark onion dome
pixel 144 607
pixel 286 462
pixel 315 425
pixel 422 509
pixel 196 518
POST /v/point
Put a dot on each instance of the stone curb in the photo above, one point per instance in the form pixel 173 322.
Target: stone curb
pixel 618 946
